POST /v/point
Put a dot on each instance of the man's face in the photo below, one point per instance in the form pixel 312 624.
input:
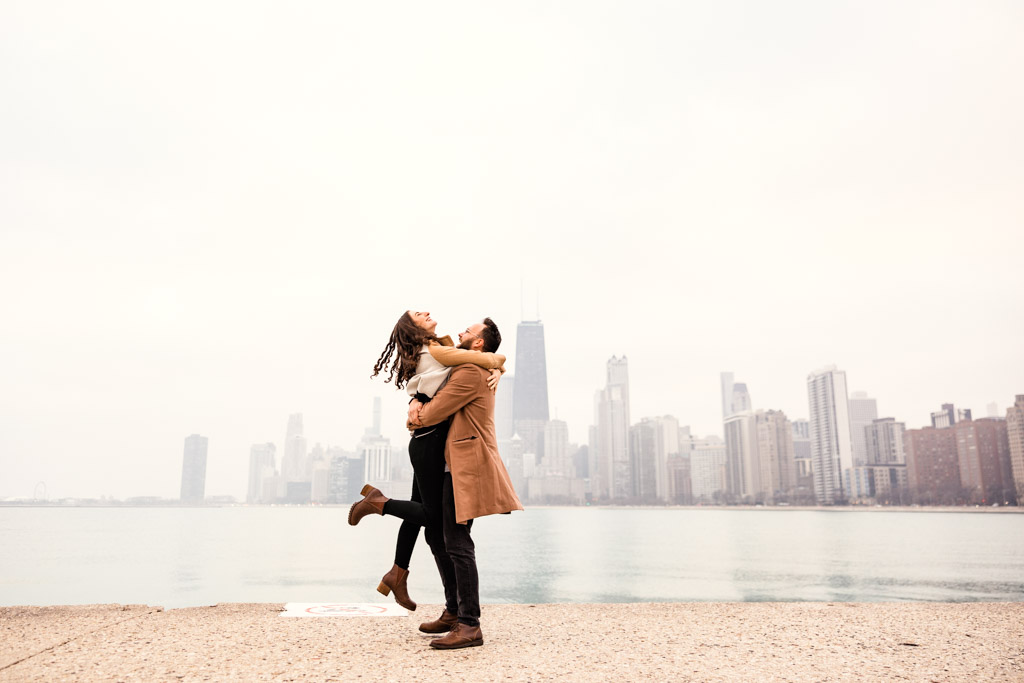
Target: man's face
pixel 471 339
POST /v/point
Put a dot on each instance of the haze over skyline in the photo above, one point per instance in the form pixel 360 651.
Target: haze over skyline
pixel 215 213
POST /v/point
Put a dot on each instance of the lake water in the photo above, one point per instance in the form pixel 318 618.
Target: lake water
pixel 177 557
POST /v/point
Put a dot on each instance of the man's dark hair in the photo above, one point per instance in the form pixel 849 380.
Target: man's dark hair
pixel 491 336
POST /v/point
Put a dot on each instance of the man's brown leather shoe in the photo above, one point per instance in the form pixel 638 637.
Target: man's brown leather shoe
pixel 442 625
pixel 460 636
pixel 395 580
pixel 371 504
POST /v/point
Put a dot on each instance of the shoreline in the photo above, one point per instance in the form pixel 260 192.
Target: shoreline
pixel 1001 509
pixel 661 641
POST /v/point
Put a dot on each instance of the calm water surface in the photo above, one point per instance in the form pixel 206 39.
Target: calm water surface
pixel 198 556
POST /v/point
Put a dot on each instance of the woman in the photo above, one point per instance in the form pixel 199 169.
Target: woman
pixel 420 362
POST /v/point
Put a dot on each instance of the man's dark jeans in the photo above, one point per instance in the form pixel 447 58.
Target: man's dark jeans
pixel 433 507
pixel 461 562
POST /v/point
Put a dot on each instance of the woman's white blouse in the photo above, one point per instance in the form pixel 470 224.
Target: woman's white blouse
pixel 430 375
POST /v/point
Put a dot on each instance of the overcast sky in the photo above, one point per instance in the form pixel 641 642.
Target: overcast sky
pixel 213 213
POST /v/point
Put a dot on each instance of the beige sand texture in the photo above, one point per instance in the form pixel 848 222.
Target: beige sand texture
pixel 579 642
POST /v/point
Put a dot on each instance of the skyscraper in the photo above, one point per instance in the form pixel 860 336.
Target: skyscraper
pixel 293 462
pixel 863 411
pixel 775 455
pixel 803 485
pixel 375 450
pixel 831 448
pixel 193 470
pixel 726 379
pixel 504 423
pixel 345 476
pixel 643 449
pixel 741 398
pixel 743 472
pixel 882 475
pixel 735 397
pixel 1015 436
pixel 261 466
pixel 707 469
pixel 556 449
pixel 680 481
pixel 653 442
pixel 885 442
pixel 530 398
pixel 610 448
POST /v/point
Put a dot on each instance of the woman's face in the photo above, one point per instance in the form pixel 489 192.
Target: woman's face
pixel 423 321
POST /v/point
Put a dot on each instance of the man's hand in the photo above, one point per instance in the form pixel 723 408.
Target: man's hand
pixel 492 381
pixel 414 414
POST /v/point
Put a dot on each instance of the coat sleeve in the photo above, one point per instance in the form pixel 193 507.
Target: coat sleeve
pixel 450 356
pixel 464 384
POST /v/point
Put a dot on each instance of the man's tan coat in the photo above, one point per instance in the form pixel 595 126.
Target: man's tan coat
pixel 479 479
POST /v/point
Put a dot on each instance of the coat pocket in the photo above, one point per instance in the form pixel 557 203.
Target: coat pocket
pixel 466 457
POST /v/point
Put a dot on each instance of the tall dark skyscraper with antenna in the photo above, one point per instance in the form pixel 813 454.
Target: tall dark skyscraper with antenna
pixel 530 395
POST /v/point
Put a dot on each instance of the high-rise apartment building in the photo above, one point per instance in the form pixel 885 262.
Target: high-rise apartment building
pixel 885 442
pixel 654 440
pixel 742 467
pixel 375 452
pixel 1015 437
pixel 933 466
pixel 610 447
pixel 643 454
pixel 803 484
pixel 831 447
pixel 775 456
pixel 863 411
pixel 707 469
pixel 983 454
pixel 882 476
pixel 345 476
pixel 557 462
pixel 680 483
pixel 193 470
pixel 262 465
pixel 530 398
pixel 886 484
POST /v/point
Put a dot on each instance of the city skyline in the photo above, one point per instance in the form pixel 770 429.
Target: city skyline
pixel 296 445
pixel 757 457
pixel 206 241
pixel 663 462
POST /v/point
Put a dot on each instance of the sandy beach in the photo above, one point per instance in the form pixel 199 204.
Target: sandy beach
pixel 678 641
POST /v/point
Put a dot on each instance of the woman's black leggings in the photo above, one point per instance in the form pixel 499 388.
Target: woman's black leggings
pixel 426 452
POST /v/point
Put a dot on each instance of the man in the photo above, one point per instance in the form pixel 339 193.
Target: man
pixel 476 484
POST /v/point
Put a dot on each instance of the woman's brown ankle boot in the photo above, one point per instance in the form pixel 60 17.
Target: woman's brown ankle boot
pixel 394 580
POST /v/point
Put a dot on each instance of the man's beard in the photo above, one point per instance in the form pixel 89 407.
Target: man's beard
pixel 467 344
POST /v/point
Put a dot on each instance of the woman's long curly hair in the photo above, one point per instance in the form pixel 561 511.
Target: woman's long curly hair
pixel 405 344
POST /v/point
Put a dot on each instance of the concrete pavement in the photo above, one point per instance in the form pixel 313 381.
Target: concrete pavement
pixel 677 641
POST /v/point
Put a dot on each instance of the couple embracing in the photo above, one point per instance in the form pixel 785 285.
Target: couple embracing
pixel 458 474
